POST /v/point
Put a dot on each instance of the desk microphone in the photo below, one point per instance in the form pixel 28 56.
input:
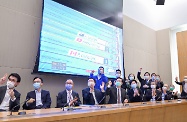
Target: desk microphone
pixel 157 100
pixel 19 113
pixel 69 109
pixel 143 98
pixel 64 106
pixel 100 102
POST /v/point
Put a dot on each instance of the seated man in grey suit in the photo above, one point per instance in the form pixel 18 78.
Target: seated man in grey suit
pixel 68 97
pixel 9 97
pixel 116 93
pixel 91 95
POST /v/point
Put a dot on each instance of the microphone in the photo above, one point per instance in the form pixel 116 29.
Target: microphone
pixel 143 98
pixel 69 108
pixel 100 102
pixel 64 106
pixel 157 100
pixel 19 113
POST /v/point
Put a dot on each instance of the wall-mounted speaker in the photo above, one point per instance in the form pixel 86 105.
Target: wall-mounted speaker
pixel 160 2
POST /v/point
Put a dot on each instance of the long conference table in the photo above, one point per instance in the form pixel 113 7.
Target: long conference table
pixel 163 111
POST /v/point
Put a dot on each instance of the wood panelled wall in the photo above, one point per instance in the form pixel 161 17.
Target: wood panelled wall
pixel 182 53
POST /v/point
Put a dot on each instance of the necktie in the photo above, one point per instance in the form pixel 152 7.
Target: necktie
pixel 118 96
pixel 69 96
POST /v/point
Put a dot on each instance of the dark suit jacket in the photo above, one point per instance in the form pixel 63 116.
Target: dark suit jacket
pixel 88 97
pixel 45 97
pixel 130 93
pixel 183 93
pixel 112 92
pixel 11 104
pixel 143 82
pixel 62 99
pixel 168 95
pixel 149 95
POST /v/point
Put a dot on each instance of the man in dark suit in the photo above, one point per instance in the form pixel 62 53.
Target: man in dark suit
pixel 116 93
pixel 145 83
pixel 153 94
pixel 134 93
pixel 9 97
pixel 184 87
pixel 91 95
pixel 166 94
pixel 39 98
pixel 68 97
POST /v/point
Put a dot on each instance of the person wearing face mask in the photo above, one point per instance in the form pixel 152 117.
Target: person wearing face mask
pixel 68 97
pixel 153 77
pixel 174 94
pixel 100 78
pixel 116 93
pixel 130 78
pixel 134 93
pixel 9 97
pixel 184 86
pixel 166 94
pixel 153 93
pixel 159 83
pixel 39 98
pixel 91 95
pixel 145 82
pixel 118 75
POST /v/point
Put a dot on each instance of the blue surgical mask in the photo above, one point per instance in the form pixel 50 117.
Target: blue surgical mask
pixel 118 83
pixel 153 77
pixel 131 78
pixel 118 75
pixel 36 85
pixel 68 86
pixel 158 78
pixel 133 86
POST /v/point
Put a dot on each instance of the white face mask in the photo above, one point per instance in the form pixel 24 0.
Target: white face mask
pixel 153 86
pixel 164 88
pixel 146 77
pixel 10 84
pixel 91 84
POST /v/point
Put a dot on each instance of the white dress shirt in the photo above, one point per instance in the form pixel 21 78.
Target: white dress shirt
pixel 5 103
pixel 93 93
pixel 38 98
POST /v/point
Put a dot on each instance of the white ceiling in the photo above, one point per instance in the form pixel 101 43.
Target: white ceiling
pixel 157 17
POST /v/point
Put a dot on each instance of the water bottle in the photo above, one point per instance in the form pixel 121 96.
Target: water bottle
pixel 163 96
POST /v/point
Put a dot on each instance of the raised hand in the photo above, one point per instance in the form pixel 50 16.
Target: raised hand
pixel 110 83
pixel 3 79
pixel 11 93
pixel 125 101
pixel 102 86
pixel 176 79
pixel 92 72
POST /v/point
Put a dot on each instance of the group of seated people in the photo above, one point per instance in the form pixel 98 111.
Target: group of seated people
pixel 118 90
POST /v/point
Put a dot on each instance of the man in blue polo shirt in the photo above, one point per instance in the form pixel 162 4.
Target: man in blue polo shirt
pixel 100 78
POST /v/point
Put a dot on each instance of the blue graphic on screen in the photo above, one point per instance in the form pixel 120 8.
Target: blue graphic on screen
pixel 74 43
